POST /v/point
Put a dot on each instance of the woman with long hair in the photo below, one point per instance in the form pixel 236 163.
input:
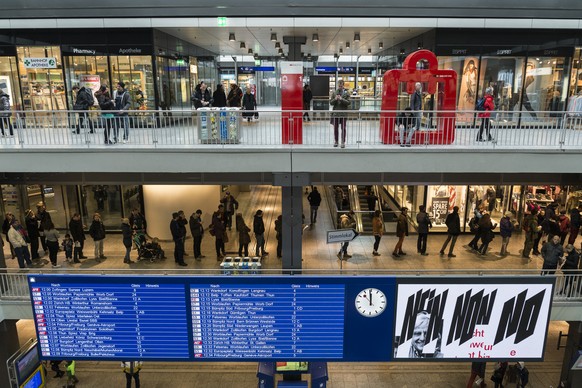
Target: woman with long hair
pixel 244 238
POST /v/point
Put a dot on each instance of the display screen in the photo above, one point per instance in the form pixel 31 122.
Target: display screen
pixel 27 363
pixel 292 367
pixel 213 318
pixel 467 319
pixel 35 381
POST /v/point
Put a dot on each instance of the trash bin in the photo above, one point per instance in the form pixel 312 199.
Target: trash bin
pixel 219 125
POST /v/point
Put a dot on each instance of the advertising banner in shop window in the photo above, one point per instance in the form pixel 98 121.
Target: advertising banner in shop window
pixel 467 319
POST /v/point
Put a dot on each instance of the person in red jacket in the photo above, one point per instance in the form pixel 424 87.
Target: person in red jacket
pixel 489 106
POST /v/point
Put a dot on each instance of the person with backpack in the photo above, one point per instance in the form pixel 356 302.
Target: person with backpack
pixel 107 107
pixel 83 102
pixel 347 221
pixel 5 113
pixel 486 106
pixel 314 199
pixel 424 224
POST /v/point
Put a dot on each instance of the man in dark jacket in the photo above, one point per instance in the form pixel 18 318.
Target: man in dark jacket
pixel 424 224
pixel 453 223
pixel 219 231
pixel 201 97
pixel 259 230
pixel 307 97
pixel 197 230
pixel 314 199
pixel 571 266
pixel 76 228
pixel 230 206
pixel 182 221
pixel 552 252
pixel 416 104
pixel 122 105
pixel 178 237
pixel 5 113
pixel 43 218
pixel 505 230
pixel 531 229
pixel 33 235
pixel 401 232
pixel 83 102
pixel 234 96
pixel 574 224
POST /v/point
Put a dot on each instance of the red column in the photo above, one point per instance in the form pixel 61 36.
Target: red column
pixel 292 100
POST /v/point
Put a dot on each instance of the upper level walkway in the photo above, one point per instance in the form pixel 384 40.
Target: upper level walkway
pixel 266 142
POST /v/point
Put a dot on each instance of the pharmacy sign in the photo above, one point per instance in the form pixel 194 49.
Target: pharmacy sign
pixel 40 63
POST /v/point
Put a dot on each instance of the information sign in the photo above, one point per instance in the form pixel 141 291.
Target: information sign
pixel 40 63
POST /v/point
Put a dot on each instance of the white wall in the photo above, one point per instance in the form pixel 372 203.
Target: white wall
pixel 160 201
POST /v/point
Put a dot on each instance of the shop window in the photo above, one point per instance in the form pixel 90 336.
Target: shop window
pixel 137 74
pixel 88 71
pixel 105 200
pixel 441 200
pixel 43 86
pixel 132 198
pixel 9 81
pixel 173 83
pixel 496 200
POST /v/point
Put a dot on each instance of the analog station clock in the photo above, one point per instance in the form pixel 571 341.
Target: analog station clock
pixel 371 302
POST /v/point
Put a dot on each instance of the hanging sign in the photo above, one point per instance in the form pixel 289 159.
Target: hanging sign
pixel 40 63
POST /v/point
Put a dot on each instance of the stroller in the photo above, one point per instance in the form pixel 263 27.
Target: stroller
pixel 146 250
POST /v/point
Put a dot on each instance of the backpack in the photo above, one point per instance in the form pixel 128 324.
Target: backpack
pixel 474 224
pixel 90 99
pixel 480 104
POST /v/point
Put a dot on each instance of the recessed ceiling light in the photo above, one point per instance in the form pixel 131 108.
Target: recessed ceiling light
pixel 369 51
pixel 242 45
pixel 357 37
pixel 341 50
pixel 315 38
pixel 347 45
pixel 250 51
pixel 231 37
pixel 277 45
pixel 380 45
pixel 273 37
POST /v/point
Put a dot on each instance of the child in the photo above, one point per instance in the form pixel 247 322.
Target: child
pixel 67 245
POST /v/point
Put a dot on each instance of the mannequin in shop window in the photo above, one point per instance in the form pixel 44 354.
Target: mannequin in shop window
pixel 470 82
pixel 529 79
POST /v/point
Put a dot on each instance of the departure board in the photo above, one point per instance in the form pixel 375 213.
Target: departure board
pixel 124 321
pixel 213 318
pixel 262 321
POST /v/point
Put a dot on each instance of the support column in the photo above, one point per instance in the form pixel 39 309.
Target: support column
pixel 573 344
pixel 10 344
pixel 292 190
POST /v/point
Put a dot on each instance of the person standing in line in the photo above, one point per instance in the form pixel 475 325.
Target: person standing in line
pixel 474 224
pixel 71 376
pixel 377 230
pixel 338 196
pixel 244 237
pixel 401 232
pixel 523 375
pixel 137 221
pixel 182 222
pixel 43 217
pixel 76 228
pixel 249 104
pixel 307 97
pixel 5 113
pixel 16 235
pixel 574 224
pixel 97 233
pixel 67 245
pixel 279 235
pixel 107 107
pixel 571 265
pixel 371 200
pixel 505 230
pixel 201 97
pixel 424 224
pixel 477 371
pixel 314 199
pixel 219 97
pixel 122 106
pixel 52 242
pixel 83 102
pixel 234 97
pixel 178 238
pixel 499 374
pixel 131 370
pixel 259 231
pixel 8 219
pixel 219 230
pixel 489 106
pixel 486 228
pixel 552 253
pixel 32 228
pixel 543 229
pixel 416 106
pixel 230 206
pixel 197 230
pixel 406 123
pixel 347 221
pixel 564 224
pixel 127 233
pixel 531 229
pixel 340 101
pixel 453 223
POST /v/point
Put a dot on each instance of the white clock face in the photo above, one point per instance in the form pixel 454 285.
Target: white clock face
pixel 371 302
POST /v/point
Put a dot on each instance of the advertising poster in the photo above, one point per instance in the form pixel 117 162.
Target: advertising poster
pixel 440 209
pixel 505 320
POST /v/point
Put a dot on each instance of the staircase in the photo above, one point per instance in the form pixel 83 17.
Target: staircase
pixel 366 216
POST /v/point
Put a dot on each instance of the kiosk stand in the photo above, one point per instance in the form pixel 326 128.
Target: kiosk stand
pixel 292 378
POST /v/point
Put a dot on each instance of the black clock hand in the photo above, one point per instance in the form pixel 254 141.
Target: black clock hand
pixel 370 291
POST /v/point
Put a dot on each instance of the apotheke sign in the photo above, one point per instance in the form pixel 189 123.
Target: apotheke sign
pixel 40 63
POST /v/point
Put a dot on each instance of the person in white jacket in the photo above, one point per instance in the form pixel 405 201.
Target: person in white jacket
pixel 19 243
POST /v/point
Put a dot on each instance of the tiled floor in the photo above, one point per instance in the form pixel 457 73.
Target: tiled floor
pixel 317 255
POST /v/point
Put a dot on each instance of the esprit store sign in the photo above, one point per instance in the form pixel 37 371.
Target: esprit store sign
pixel 40 63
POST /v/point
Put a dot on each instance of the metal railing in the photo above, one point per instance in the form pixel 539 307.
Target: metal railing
pixel 568 285
pixel 284 129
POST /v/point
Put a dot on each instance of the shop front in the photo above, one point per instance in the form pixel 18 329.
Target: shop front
pixel 9 76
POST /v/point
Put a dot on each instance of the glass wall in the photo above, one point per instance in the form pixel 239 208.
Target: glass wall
pixel 137 74
pixel 173 83
pixel 88 71
pixel 43 88
pixel 545 84
pixel 9 81
pixel 440 201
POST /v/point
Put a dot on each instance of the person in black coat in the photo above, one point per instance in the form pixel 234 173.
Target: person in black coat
pixel 33 233
pixel 259 230
pixel 307 97
pixel 201 97
pixel 219 97
pixel 127 233
pixel 571 266
pixel 453 223
pixel 234 96
pixel 43 218
pixel 97 233
pixel 249 104
pixel 314 199
pixel 178 236
pixel 76 228
pixel 197 230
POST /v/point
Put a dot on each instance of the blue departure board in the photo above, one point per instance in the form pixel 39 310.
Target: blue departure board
pixel 261 321
pixel 213 318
